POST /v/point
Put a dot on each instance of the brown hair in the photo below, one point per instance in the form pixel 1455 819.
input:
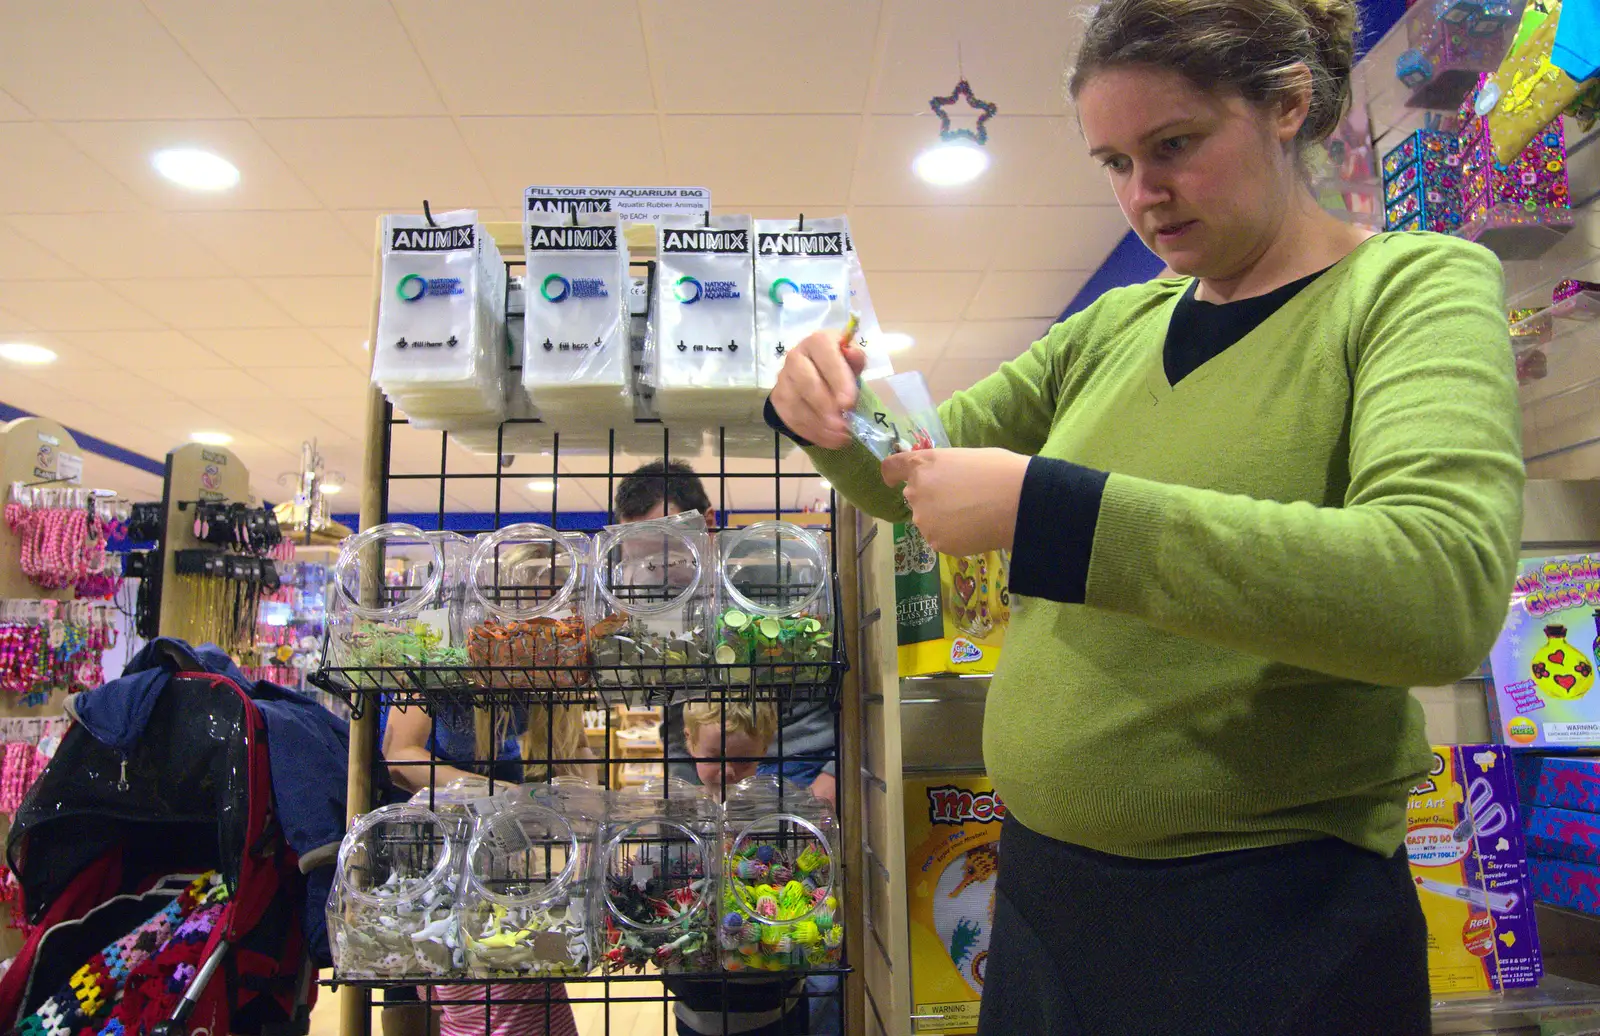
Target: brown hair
pixel 1252 46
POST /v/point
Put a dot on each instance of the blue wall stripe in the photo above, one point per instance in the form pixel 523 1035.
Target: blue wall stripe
pixel 94 444
pixel 1129 263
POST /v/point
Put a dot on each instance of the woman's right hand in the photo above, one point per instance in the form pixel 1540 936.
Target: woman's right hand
pixel 816 386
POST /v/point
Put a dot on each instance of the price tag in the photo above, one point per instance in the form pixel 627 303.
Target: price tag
pixel 69 466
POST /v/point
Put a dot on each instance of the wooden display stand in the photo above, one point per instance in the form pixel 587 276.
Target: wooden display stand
pixel 37 452
pixel 194 473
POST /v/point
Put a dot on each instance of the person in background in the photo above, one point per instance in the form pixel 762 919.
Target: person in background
pixel 1248 506
pixel 663 488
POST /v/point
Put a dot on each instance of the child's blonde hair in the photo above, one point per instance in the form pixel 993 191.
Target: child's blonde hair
pixel 760 721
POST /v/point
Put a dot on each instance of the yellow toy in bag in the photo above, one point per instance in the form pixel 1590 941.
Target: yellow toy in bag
pixel 1528 92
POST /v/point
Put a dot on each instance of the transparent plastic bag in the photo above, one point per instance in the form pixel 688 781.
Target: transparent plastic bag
pixel 576 353
pixel 652 603
pixel 394 894
pixel 869 332
pixel 524 903
pixel 655 889
pixel 780 904
pixel 896 414
pixel 802 285
pixel 701 355
pixel 531 585
pixel 774 604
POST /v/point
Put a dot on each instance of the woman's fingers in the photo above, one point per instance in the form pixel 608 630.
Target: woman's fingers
pixel 802 399
pixel 824 351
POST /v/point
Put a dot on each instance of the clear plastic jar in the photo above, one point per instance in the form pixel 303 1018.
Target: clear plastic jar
pixel 390 605
pixel 775 604
pixel 656 880
pixel 523 905
pixel 529 582
pixel 780 907
pixel 652 603
pixel 393 900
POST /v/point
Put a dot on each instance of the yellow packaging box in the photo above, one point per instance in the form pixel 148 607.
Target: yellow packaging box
pixel 950 613
pixel 952 859
pixel 1449 877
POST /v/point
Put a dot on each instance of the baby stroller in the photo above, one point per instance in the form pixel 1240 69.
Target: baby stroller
pixel 104 834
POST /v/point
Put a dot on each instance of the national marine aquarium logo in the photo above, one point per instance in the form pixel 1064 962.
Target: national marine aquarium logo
pixel 690 290
pixel 783 288
pixel 559 289
pixel 414 287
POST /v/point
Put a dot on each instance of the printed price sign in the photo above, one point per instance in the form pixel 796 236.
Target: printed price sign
pixel 633 204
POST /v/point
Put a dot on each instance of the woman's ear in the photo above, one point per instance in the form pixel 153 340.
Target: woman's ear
pixel 1294 103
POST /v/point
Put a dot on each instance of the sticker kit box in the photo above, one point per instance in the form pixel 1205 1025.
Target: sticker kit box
pixel 1464 843
pixel 950 613
pixel 952 859
pixel 1543 662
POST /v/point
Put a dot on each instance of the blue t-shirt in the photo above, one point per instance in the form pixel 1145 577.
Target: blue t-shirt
pixel 454 740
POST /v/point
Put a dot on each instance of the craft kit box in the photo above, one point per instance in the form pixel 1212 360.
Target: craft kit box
pixel 1572 783
pixel 1464 844
pixel 952 859
pixel 1566 883
pixel 950 613
pixel 1563 834
pixel 1543 662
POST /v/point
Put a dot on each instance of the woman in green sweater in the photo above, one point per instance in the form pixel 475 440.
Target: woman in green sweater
pixel 1248 507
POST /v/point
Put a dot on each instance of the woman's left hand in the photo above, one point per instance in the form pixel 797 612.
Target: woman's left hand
pixel 963 501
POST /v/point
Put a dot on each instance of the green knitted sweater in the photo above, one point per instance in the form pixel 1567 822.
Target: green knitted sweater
pixel 1316 519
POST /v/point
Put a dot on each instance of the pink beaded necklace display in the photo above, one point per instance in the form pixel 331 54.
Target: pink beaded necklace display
pixel 62 534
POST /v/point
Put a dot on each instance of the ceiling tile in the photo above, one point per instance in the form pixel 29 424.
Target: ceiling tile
pixel 304 57
pixel 177 419
pixel 211 387
pixel 100 59
pixel 120 244
pixel 43 172
pixel 991 341
pixel 124 148
pixel 900 296
pixel 33 395
pixel 22 260
pixel 1059 237
pixel 203 302
pixel 80 374
pixel 11 111
pixel 929 342
pixel 313 383
pixel 143 350
pixel 75 306
pixel 270 347
pixel 321 300
pixel 591 59
pixel 1064 172
pixel 754 159
pixel 1014 52
pixel 725 57
pixel 93 418
pixel 286 424
pixel 349 343
pixel 380 163
pixel 10 322
pixel 622 150
pixel 1019 293
pixel 362 227
pixel 927 238
pixel 278 244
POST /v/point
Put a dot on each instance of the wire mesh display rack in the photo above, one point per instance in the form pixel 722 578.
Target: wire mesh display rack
pixel 404 463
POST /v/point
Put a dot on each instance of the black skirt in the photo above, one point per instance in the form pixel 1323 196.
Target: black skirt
pixel 1311 938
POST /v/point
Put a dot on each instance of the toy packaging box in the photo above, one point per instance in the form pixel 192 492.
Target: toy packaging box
pixel 1543 662
pixel 1422 183
pixel 1570 784
pixel 1566 883
pixel 1464 844
pixel 950 613
pixel 952 859
pixel 1563 834
pixel 1502 203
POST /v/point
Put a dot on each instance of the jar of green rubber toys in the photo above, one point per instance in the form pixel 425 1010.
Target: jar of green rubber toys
pixel 394 895
pixel 774 606
pixel 655 887
pixel 391 608
pixel 780 901
pixel 653 596
pixel 524 903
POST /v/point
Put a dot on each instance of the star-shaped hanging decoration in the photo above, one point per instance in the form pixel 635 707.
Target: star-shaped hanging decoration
pixel 962 90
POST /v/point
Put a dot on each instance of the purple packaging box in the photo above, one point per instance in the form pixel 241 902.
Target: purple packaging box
pixel 1563 834
pixel 1489 777
pixel 1562 782
pixel 1563 883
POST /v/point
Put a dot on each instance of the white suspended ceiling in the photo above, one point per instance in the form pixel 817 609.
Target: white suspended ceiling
pixel 245 311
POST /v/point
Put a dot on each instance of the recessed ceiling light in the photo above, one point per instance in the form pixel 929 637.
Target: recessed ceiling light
pixel 894 341
pixel 951 163
pixel 327 489
pixel 26 353
pixel 543 485
pixel 195 169
pixel 211 438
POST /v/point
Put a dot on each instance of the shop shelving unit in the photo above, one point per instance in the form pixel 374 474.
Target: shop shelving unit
pixel 399 458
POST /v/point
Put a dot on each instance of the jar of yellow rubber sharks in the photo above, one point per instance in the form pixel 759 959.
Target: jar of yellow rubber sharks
pixel 524 898
pixel 780 900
